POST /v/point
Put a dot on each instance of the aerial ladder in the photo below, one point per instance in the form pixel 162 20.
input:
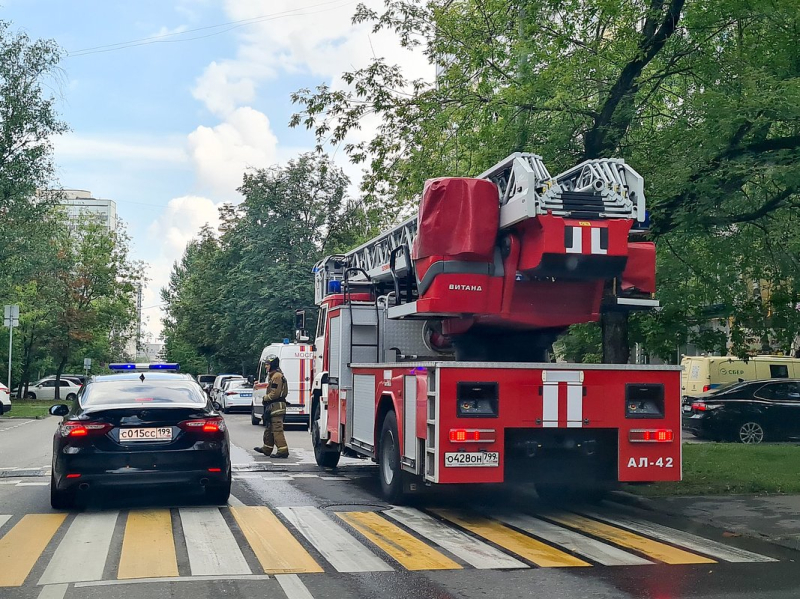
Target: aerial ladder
pixel 431 351
pixel 536 211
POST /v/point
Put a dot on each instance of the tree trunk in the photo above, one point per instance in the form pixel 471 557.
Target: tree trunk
pixel 27 345
pixel 615 337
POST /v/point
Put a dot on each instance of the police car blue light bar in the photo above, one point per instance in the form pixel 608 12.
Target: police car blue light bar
pixel 128 366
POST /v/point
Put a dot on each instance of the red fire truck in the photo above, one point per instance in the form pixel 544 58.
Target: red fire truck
pixel 431 347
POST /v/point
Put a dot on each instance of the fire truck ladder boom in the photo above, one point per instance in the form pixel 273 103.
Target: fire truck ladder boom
pixel 375 256
pixel 594 189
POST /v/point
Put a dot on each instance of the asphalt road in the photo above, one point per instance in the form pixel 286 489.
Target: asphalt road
pixel 292 530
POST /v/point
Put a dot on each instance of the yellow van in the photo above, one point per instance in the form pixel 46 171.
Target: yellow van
pixel 703 373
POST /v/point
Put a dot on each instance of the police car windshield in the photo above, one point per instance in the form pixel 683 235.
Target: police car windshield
pixel 146 393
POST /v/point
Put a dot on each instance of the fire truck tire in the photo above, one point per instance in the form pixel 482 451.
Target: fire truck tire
pixel 324 456
pixel 390 473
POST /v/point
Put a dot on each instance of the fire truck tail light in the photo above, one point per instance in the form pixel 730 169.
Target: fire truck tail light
pixel 472 435
pixel 655 435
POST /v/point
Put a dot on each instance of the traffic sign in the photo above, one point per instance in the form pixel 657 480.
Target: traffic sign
pixel 87 363
pixel 11 316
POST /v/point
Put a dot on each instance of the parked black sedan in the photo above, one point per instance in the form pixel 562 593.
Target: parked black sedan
pixel 136 429
pixel 747 412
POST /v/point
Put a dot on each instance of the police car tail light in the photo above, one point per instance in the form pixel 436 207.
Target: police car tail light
pixel 203 425
pixel 472 435
pixel 84 429
pixel 652 435
pixel 706 388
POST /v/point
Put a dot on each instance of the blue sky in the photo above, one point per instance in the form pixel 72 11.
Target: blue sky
pixel 167 127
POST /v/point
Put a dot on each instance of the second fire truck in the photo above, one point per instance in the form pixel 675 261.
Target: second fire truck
pixel 432 338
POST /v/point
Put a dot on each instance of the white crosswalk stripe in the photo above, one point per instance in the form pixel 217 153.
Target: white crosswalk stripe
pixel 86 543
pixel 598 551
pixel 335 544
pixel 81 545
pixel 476 553
pixel 210 543
pixel 684 539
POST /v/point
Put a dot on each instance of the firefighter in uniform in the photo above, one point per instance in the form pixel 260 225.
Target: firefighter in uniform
pixel 275 410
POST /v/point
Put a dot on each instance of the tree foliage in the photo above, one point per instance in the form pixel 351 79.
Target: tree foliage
pixel 231 295
pixel 703 98
pixel 73 283
pixel 28 121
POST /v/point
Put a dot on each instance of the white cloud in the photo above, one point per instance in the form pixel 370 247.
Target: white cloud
pixel 180 222
pixel 319 40
pixel 223 153
pixel 225 85
pixel 114 148
pixel 176 226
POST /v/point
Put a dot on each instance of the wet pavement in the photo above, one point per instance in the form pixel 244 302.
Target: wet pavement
pixel 293 530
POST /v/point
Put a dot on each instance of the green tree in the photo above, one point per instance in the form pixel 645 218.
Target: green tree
pixel 701 97
pixel 28 122
pixel 229 297
pixel 91 294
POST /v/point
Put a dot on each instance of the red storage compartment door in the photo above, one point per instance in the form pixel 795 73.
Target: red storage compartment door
pixel 458 218
pixel 640 271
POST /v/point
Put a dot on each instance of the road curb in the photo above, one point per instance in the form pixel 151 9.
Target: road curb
pixel 626 498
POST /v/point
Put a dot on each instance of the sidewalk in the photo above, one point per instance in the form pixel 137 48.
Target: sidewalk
pixel 775 518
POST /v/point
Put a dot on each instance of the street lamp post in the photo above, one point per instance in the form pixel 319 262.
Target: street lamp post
pixel 10 320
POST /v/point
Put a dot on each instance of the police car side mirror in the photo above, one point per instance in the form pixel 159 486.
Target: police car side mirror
pixel 59 410
pixel 251 379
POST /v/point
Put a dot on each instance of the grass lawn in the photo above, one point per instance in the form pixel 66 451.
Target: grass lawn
pixel 727 468
pixel 29 408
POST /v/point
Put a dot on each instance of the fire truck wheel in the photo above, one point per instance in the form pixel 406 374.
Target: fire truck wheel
pixel 324 456
pixel 389 466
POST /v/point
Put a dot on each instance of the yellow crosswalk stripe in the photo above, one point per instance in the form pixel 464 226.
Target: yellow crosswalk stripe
pixel 409 551
pixel 660 551
pixel 275 547
pixel 23 544
pixel 148 547
pixel 534 551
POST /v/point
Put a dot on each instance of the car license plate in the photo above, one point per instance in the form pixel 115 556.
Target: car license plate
pixel 245 395
pixel 472 458
pixel 163 433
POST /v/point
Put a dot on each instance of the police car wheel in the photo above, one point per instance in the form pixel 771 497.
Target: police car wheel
pixel 254 419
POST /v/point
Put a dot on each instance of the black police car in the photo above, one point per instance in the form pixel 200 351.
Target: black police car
pixel 151 428
pixel 747 412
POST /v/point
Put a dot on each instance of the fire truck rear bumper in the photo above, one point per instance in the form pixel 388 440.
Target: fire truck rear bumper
pixel 561 455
